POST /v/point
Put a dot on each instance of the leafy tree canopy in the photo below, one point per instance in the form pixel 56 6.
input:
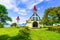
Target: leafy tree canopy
pixel 51 15
pixel 4 14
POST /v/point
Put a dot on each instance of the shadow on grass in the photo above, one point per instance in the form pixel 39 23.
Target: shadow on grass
pixel 17 37
pixel 23 34
pixel 4 37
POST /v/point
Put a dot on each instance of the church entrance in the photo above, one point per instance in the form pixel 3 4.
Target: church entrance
pixel 35 24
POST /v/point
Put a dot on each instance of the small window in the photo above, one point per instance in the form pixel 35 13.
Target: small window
pixel 36 18
pixel 33 18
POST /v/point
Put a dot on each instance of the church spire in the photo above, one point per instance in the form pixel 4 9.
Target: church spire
pixel 34 9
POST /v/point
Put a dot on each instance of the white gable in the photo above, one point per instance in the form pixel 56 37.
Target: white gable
pixel 34 17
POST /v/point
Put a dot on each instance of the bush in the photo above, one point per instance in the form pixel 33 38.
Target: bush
pixel 24 34
pixel 56 29
pixel 51 29
pixel 1 25
pixel 4 37
pixel 44 27
pixel 13 24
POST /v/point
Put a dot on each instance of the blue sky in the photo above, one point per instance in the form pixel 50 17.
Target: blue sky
pixel 24 8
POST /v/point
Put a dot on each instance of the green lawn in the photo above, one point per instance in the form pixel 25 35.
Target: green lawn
pixel 36 34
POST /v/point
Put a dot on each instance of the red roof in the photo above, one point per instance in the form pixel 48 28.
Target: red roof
pixel 35 8
pixel 26 21
pixel 18 18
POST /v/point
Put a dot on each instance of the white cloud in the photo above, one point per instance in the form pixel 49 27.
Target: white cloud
pixel 32 3
pixel 23 12
pixel 20 11
pixel 7 3
pixel 9 22
pixel 24 1
pixel 12 5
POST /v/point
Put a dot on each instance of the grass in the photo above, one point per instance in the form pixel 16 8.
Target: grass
pixel 44 35
pixel 36 34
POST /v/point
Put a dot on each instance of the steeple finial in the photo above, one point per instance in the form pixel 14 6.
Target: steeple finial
pixel 35 9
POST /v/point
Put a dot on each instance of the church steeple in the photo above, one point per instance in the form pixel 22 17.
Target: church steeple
pixel 34 19
pixel 34 9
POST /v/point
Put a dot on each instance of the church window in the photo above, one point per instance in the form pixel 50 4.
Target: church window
pixel 36 18
pixel 33 18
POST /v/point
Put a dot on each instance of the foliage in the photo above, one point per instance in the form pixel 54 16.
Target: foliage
pixel 35 34
pixel 22 35
pixel 4 14
pixel 13 24
pixel 56 29
pixel 4 37
pixel 3 9
pixel 51 15
pixel 51 29
pixel 1 25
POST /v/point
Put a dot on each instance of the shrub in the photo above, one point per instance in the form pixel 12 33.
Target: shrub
pixel 13 24
pixel 51 29
pixel 4 37
pixel 44 27
pixel 1 25
pixel 58 30
pixel 24 34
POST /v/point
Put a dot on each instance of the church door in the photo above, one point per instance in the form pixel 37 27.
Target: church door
pixel 35 24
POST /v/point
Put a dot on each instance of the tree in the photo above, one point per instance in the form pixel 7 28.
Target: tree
pixel 51 15
pixel 1 25
pixel 58 13
pixel 4 15
pixel 45 19
pixel 13 24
